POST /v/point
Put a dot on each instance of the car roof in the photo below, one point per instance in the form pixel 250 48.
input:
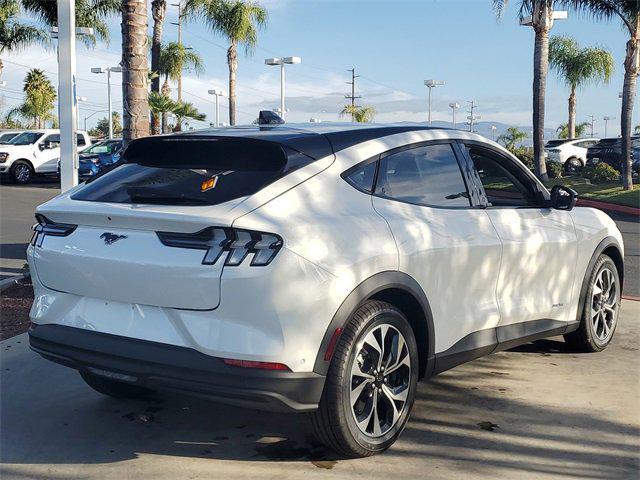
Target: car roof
pixel 315 140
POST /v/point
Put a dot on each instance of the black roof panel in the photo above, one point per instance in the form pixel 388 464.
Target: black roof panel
pixel 316 140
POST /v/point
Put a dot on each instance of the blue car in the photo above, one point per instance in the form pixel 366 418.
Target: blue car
pixel 97 157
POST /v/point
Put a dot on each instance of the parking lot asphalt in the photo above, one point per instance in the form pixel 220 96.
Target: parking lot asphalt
pixel 534 412
pixel 18 203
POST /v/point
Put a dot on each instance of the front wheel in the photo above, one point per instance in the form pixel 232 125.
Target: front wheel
pixel 600 309
pixel 21 172
pixel 371 383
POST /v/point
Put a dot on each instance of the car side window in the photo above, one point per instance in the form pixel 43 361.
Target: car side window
pixel 362 178
pixel 503 186
pixel 427 175
pixel 81 141
pixel 53 140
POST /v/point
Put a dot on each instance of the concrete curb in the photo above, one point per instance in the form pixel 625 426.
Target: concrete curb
pixel 609 207
pixel 11 281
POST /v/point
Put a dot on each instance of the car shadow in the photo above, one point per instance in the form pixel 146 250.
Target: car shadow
pixel 466 416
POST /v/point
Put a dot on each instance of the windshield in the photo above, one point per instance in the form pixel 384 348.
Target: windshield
pixel 104 147
pixel 26 138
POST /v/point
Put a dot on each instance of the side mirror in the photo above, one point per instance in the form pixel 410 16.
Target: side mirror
pixel 42 146
pixel 563 198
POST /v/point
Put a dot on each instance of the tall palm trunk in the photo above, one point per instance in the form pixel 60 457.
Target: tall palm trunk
pixel 135 70
pixel 540 68
pixel 158 11
pixel 232 60
pixel 628 96
pixel 166 91
pixel 571 125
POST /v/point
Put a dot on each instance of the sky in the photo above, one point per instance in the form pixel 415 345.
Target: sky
pixel 393 45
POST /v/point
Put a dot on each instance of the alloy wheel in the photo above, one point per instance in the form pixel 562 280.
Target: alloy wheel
pixel 22 173
pixel 604 305
pixel 380 378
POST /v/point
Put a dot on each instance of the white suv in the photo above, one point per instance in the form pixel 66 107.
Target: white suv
pixel 319 268
pixel 571 154
pixel 34 151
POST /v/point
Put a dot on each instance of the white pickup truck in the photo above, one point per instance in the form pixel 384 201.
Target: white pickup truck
pixel 34 151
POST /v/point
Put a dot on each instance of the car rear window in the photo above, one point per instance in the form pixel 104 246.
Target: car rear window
pixel 192 170
pixel 555 143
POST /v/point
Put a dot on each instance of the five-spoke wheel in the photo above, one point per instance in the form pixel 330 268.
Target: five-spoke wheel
pixel 600 308
pixel 370 384
pixel 380 380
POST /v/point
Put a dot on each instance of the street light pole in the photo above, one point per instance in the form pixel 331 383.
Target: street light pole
pixel 108 71
pixel 454 106
pixel 217 93
pixel 281 61
pixel 606 120
pixel 430 84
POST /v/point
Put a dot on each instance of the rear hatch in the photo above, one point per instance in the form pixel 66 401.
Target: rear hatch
pixel 146 231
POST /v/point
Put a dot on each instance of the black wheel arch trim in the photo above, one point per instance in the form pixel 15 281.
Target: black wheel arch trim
pixel 604 244
pixel 391 279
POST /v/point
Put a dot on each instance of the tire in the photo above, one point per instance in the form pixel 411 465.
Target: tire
pixel 113 388
pixel 334 423
pixel 600 311
pixel 572 166
pixel 21 172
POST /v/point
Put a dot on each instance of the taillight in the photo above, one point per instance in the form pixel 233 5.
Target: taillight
pixel 46 227
pixel 235 243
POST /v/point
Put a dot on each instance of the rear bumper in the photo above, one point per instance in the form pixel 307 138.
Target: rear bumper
pixel 167 367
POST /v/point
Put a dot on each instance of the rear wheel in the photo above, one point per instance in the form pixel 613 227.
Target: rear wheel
pixel 572 166
pixel 371 383
pixel 600 310
pixel 21 172
pixel 113 388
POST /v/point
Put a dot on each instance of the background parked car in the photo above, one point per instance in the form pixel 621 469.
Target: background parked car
pixel 571 154
pixel 6 136
pixel 98 156
pixel 34 151
pixel 609 151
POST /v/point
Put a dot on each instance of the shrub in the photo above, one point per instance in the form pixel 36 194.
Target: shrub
pixel 525 155
pixel 600 173
pixel 554 169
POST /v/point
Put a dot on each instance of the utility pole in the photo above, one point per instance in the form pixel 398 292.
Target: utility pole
pixel 593 119
pixel 472 118
pixel 353 95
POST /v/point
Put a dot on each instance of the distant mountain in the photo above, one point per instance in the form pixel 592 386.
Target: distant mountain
pixel 484 129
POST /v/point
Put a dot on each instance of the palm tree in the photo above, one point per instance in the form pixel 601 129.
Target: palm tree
pixel 580 129
pixel 187 110
pixel 15 35
pixel 40 96
pixel 174 59
pixel 360 114
pixel 628 12
pixel 578 66
pixel 135 70
pixel 159 105
pixel 158 12
pixel 89 13
pixel 541 12
pixel 238 21
pixel 512 137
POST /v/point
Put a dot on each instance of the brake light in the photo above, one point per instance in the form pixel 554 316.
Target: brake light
pixel 46 227
pixel 236 243
pixel 251 364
